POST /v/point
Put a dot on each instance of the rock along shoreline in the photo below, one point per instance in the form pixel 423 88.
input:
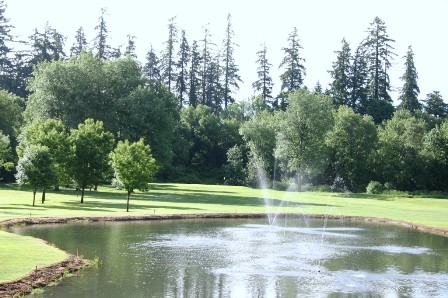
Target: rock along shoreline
pixel 41 277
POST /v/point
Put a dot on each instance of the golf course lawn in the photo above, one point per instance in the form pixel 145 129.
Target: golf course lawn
pixel 20 255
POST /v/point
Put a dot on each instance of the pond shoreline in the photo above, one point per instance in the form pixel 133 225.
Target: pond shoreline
pixel 41 277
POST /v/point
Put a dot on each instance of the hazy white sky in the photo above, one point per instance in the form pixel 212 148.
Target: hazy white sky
pixel 321 26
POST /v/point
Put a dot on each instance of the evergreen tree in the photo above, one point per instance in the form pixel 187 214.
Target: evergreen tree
pixel 167 62
pixel 195 76
pixel 292 78
pixel 231 77
pixel 435 106
pixel 6 65
pixel 318 88
pixel 47 45
pixel 152 66
pixel 103 50
pixel 264 83
pixel 341 74
pixel 214 87
pixel 410 89
pixel 205 68
pixel 358 82
pixel 182 65
pixel 379 54
pixel 80 43
pixel 130 48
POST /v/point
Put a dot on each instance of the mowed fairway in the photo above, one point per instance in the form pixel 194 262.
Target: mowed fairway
pixel 190 199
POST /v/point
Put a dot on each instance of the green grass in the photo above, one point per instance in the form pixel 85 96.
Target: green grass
pixel 19 255
pixel 15 202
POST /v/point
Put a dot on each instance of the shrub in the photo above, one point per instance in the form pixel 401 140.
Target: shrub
pixel 374 187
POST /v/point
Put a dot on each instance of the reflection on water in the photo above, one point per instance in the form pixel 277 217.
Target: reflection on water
pixel 249 258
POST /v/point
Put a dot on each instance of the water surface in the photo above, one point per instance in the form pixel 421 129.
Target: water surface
pixel 249 258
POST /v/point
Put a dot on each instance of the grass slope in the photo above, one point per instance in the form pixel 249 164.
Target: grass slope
pixel 16 202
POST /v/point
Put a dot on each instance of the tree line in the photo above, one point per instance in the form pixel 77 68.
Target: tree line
pixel 181 102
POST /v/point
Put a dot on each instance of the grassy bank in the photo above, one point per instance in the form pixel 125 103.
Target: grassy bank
pixel 191 199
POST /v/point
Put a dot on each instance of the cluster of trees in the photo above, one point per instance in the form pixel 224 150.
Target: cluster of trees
pixel 50 156
pixel 182 104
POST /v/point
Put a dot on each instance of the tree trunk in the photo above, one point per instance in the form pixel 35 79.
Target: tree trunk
pixel 82 195
pixel 43 195
pixel 34 196
pixel 298 181
pixel 56 187
pixel 127 204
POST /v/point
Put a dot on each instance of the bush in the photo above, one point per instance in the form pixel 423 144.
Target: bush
pixel 374 187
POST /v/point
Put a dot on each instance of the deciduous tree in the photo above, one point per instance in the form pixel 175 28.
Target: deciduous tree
pixel 134 166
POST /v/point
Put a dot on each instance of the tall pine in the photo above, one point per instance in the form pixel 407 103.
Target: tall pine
pixel 194 90
pixel 358 82
pixel 102 48
pixel 183 57
pixel 263 86
pixel 230 71
pixel 340 87
pixel 130 47
pixel 80 44
pixel 151 69
pixel 409 92
pixel 6 65
pixel 167 63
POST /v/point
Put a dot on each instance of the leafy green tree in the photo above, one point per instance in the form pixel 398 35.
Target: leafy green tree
pixel 235 170
pixel 435 106
pixel 399 160
pixel 90 146
pixel 302 140
pixel 259 135
pixel 102 48
pixel 436 152
pixel 410 90
pixel 352 140
pixel 151 69
pixel 35 168
pixel 150 112
pixel 134 166
pixel 51 134
pixel 294 70
pixel 80 44
pixel 167 63
pixel 5 153
pixel 230 71
pixel 82 87
pixel 10 114
pixel 182 66
pixel 340 87
pixel 264 83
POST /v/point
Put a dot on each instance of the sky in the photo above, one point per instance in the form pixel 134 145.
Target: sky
pixel 321 24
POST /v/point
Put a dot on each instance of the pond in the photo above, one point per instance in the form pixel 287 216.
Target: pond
pixel 249 258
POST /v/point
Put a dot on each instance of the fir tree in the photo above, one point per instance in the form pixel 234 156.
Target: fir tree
pixel 410 90
pixel 80 43
pixel 182 66
pixel 435 106
pixel 358 82
pixel 341 74
pixel 206 67
pixel 152 66
pixel 230 72
pixel 103 49
pixel 264 83
pixel 6 67
pixel 292 78
pixel 379 54
pixel 195 76
pixel 167 62
pixel 130 47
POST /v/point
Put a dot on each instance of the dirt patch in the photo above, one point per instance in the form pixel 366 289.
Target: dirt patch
pixel 43 276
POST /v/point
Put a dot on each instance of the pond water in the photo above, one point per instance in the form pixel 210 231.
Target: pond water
pixel 249 258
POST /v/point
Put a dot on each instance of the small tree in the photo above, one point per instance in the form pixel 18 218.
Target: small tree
pixel 134 166
pixel 36 169
pixel 90 148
